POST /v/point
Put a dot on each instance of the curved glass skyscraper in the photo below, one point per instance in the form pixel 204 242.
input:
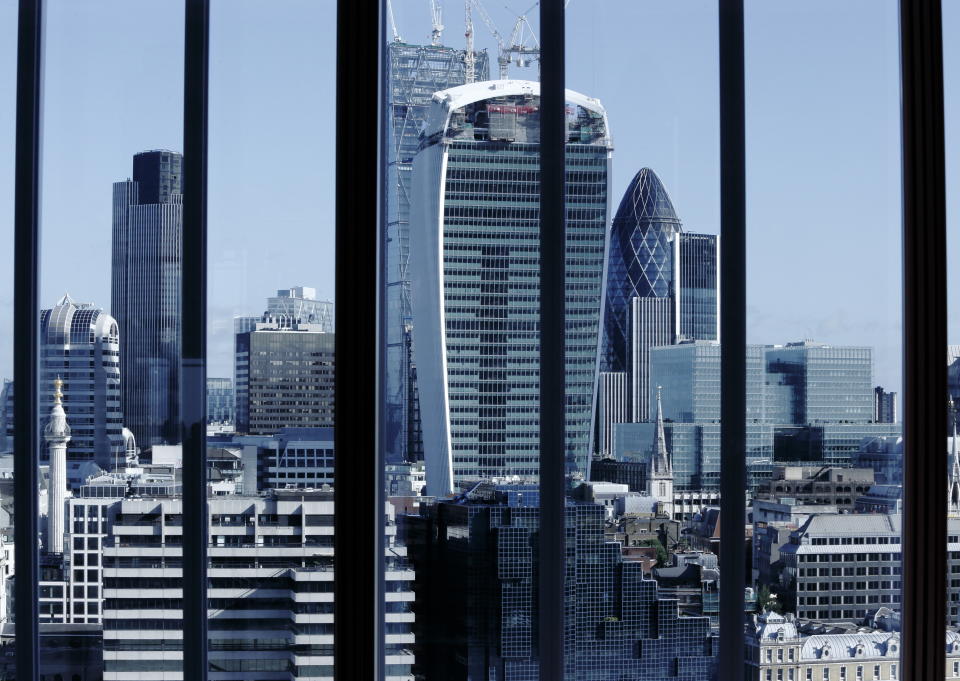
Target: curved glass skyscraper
pixel 640 262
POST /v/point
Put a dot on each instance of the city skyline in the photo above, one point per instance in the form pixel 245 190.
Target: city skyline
pixel 670 137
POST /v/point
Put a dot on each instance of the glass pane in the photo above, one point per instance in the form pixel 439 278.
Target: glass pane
pixel 655 475
pixel 110 339
pixel 271 338
pixel 951 71
pixel 824 326
pixel 8 90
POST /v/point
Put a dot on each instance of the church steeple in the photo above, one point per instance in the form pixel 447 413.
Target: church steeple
pixel 661 458
pixel 660 476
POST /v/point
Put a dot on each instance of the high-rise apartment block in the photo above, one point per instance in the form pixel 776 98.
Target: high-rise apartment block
pixel 475 219
pixel 415 72
pixel 80 344
pixel 287 371
pixel 145 293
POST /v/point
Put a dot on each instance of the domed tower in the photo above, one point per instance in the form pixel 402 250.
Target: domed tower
pixel 57 435
pixel 640 262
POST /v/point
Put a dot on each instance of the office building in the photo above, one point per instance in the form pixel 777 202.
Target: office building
pixel 640 264
pixel 651 326
pixel 818 486
pixel 293 458
pixel 785 384
pixel 220 400
pixel 145 294
pixel 478 551
pixel 612 396
pixel 415 72
pixel 80 344
pixel 840 566
pixel 662 285
pixel 271 597
pixel 884 405
pixel 813 383
pixel 696 286
pixel 475 219
pixel 287 376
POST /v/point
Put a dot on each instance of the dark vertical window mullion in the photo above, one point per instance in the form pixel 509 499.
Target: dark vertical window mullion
pixel 924 532
pixel 733 351
pixel 194 330
pixel 359 514
pixel 25 349
pixel 553 458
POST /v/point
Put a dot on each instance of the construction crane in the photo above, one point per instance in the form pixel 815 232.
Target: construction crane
pixel 469 58
pixel 393 23
pixel 522 32
pixel 436 14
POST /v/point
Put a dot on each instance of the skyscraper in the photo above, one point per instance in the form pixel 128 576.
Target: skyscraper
pixel 80 344
pixel 696 286
pixel 146 281
pixel 640 263
pixel 662 285
pixel 612 399
pixel 475 220
pixel 415 73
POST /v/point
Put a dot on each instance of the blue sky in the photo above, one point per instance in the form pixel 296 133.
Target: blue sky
pixel 823 152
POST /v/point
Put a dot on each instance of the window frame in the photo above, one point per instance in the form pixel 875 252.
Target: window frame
pixel 359 554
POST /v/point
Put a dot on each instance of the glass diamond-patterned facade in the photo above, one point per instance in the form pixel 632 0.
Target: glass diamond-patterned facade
pixel 640 259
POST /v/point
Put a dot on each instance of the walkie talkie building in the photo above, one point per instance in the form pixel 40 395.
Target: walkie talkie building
pixel 475 220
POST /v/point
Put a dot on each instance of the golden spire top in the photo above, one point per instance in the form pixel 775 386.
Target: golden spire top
pixel 57 392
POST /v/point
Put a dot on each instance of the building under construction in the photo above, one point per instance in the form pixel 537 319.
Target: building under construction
pixel 415 73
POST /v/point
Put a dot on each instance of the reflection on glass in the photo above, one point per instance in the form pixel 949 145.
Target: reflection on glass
pixel 110 549
pixel 824 323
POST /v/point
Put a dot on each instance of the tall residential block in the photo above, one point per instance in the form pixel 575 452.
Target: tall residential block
pixel 80 344
pixel 475 220
pixel 145 293
pixel 415 72
pixel 288 372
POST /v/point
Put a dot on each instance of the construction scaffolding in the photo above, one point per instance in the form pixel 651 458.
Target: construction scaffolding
pixel 415 73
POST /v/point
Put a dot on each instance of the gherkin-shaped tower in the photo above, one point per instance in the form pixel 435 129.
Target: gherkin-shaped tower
pixel 640 260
